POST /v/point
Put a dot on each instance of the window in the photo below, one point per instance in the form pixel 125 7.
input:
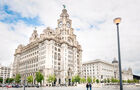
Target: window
pixel 58 50
pixel 55 49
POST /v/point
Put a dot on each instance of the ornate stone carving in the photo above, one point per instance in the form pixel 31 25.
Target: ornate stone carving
pixel 64 13
pixel 19 49
pixel 34 36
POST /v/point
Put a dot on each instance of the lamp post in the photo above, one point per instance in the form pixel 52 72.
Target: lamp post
pixel 117 21
pixel 25 77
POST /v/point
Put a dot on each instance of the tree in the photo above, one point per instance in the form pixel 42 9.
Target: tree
pixel 105 80
pixel 39 77
pixel 136 81
pixel 17 78
pixel 77 78
pixel 108 80
pixel 116 80
pixel 124 81
pixel 129 81
pixel 97 80
pixel 89 80
pixel 113 80
pixel 83 80
pixel 94 80
pixel 9 80
pixel 73 79
pixel 51 78
pixel 1 80
pixel 30 79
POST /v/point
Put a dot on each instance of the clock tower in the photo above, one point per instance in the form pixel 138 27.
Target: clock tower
pixel 64 21
pixel 65 27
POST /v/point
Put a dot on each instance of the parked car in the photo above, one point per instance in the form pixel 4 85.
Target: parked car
pixel 13 85
pixel 17 86
pixel 37 85
pixel 0 85
pixel 20 85
pixel 8 86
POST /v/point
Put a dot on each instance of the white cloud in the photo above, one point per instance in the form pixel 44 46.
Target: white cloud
pixel 99 42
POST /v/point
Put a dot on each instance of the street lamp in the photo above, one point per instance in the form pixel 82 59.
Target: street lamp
pixel 117 21
pixel 25 77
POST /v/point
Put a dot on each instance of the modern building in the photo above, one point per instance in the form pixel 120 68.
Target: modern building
pixel 52 52
pixel 101 70
pixel 137 77
pixel 4 72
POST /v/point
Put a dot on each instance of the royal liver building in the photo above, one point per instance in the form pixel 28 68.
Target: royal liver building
pixel 52 52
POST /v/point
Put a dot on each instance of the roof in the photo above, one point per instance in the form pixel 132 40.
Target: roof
pixel 114 61
pixel 136 77
pixel 97 61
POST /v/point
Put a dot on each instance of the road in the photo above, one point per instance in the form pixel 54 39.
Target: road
pixel 67 88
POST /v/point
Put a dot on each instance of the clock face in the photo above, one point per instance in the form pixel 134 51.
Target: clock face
pixel 68 24
pixel 60 24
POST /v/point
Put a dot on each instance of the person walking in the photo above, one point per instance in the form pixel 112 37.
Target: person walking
pixel 87 85
pixel 90 86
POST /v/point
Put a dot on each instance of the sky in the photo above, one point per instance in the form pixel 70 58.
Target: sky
pixel 92 21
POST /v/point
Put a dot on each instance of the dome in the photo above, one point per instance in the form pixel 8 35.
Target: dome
pixel 114 61
pixel 64 13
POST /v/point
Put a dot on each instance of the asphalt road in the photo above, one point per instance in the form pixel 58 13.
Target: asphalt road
pixel 67 88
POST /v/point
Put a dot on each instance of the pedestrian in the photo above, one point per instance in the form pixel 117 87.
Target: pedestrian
pixel 87 85
pixel 90 86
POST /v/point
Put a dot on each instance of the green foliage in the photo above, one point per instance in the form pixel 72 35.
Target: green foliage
pixel 130 81
pixel 51 78
pixel 77 78
pixel 73 79
pixel 66 79
pixel 108 80
pixel 30 79
pixel 94 80
pixel 124 81
pixel 97 80
pixel 105 81
pixel 133 81
pixel 39 77
pixel 89 79
pixel 113 80
pixel 83 80
pixel 136 81
pixel 9 80
pixel 18 78
pixel 1 80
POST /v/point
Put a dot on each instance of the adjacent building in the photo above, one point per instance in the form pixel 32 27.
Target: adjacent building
pixel 127 74
pixel 101 70
pixel 52 52
pixel 4 72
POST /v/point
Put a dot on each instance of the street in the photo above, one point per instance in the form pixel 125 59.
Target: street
pixel 68 88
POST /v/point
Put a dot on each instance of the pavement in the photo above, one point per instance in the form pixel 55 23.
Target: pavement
pixel 68 88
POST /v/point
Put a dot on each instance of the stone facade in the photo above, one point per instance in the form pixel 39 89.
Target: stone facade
pixel 127 74
pixel 101 70
pixel 53 52
pixel 4 72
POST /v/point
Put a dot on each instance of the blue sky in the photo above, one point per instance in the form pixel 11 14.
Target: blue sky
pixel 92 21
pixel 14 17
